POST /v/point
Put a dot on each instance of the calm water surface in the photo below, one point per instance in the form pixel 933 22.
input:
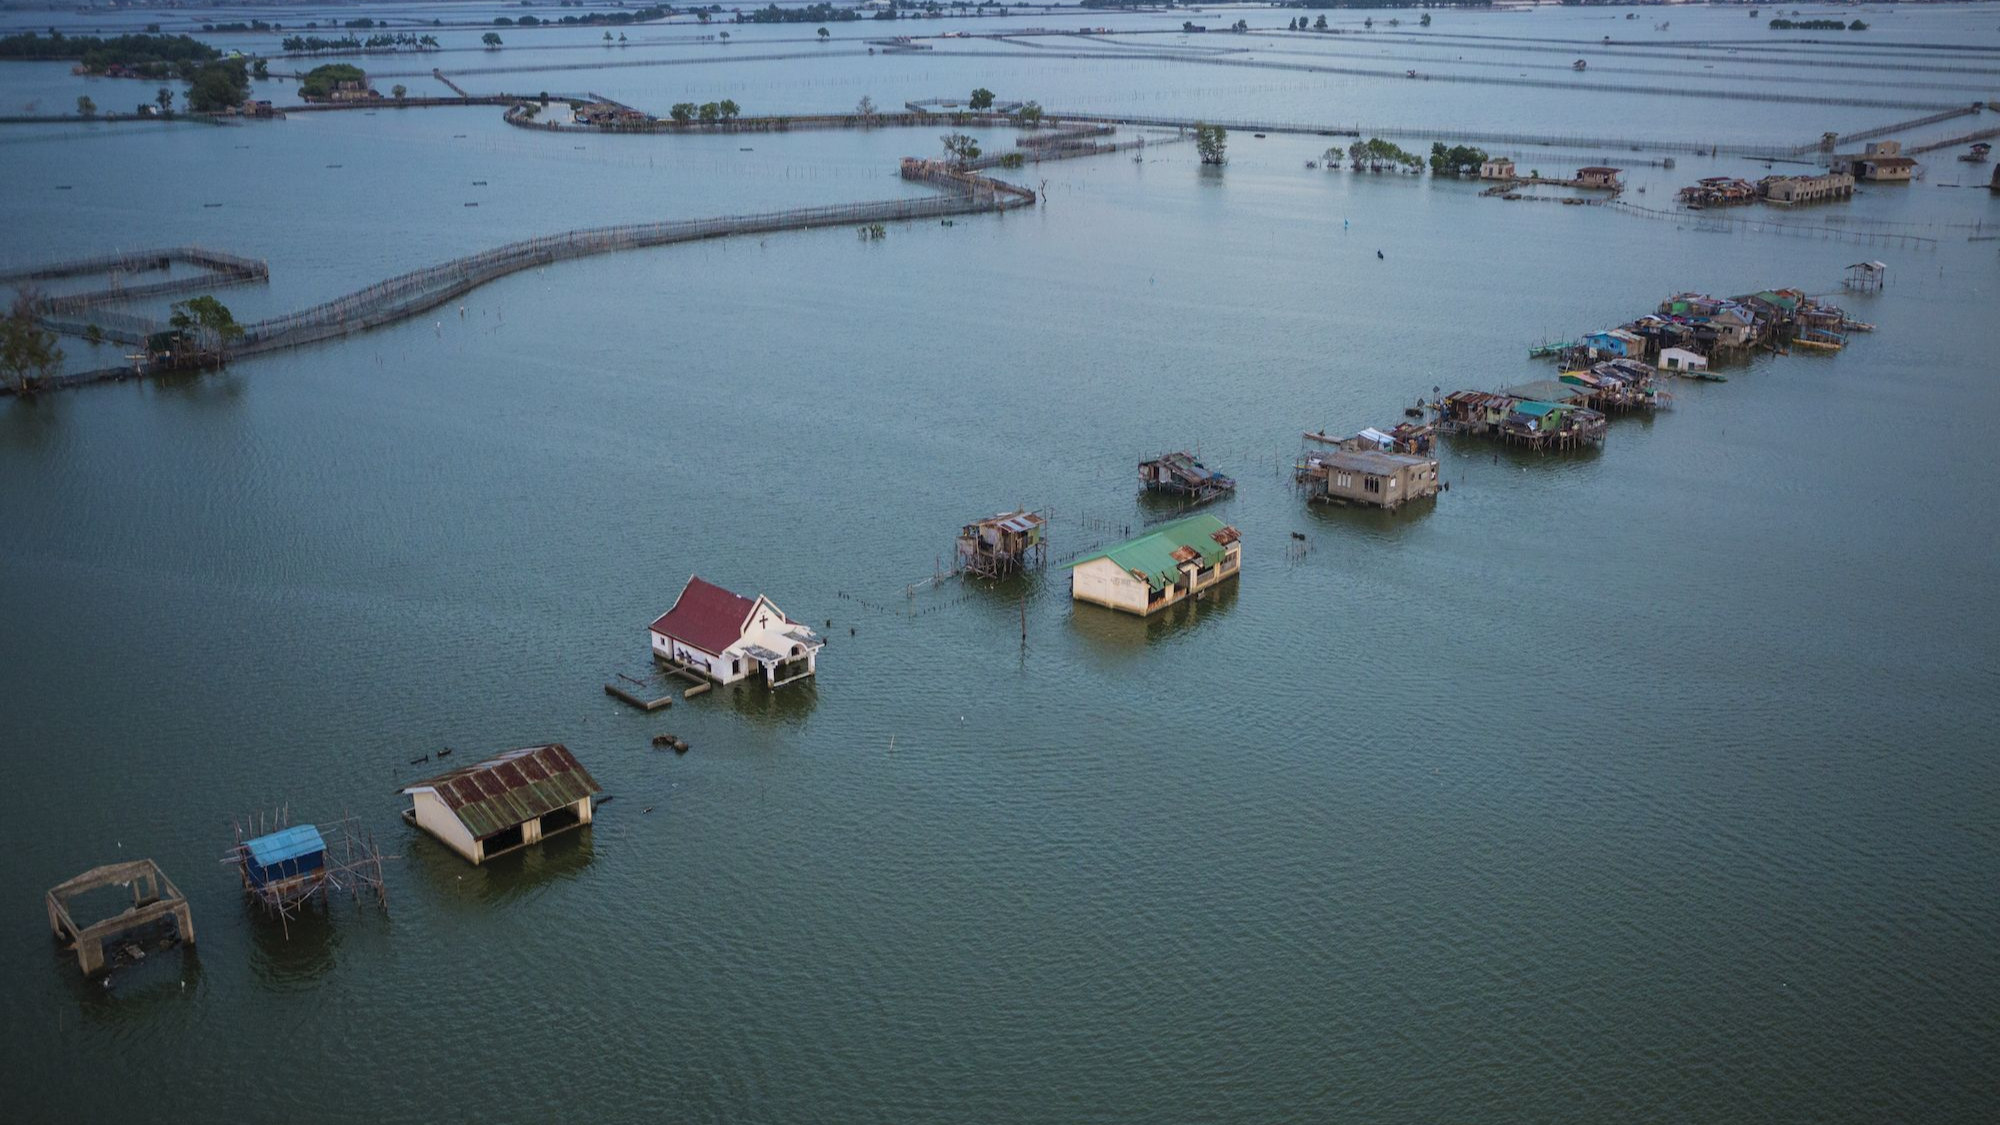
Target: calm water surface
pixel 1655 783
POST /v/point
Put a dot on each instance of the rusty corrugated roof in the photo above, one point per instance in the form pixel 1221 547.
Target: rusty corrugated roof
pixel 512 788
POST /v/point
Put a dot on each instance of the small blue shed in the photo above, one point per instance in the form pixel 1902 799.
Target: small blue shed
pixel 285 854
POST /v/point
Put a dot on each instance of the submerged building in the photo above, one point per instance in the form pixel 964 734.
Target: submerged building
pixel 724 637
pixel 1150 572
pixel 1371 478
pixel 504 803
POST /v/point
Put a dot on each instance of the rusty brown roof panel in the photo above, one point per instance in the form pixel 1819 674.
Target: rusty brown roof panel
pixel 511 788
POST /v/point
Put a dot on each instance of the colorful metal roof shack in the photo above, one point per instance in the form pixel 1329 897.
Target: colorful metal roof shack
pixel 1155 558
pixel 510 789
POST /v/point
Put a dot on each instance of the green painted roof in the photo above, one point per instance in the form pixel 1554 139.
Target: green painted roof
pixel 1152 554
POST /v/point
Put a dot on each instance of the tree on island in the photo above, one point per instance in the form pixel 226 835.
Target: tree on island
pixel 960 148
pixel 1426 21
pixel 1211 141
pixel 492 40
pixel 982 98
pixel 1029 115
pixel 214 328
pixel 865 110
pixel 682 112
pixel 85 106
pixel 165 98
pixel 399 91
pixel 28 352
pixel 1448 161
pixel 218 86
pixel 823 34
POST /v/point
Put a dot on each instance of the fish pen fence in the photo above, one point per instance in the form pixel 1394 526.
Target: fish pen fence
pixel 1885 130
pixel 1464 136
pixel 518 115
pixel 1707 221
pixel 411 293
pixel 140 261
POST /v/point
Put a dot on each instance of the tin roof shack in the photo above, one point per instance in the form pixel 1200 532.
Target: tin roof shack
pixel 1599 176
pixel 504 803
pixel 1616 343
pixel 1146 574
pixel 155 902
pixel 1734 324
pixel 1183 475
pixel 1614 385
pixel 1719 191
pixel 1806 189
pixel 1370 478
pixel 1000 545
pixel 1867 277
pixel 1415 439
pixel 719 636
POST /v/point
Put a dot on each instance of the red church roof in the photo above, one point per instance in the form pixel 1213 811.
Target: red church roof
pixel 706 616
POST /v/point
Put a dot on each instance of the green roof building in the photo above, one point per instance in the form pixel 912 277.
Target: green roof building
pixel 1146 574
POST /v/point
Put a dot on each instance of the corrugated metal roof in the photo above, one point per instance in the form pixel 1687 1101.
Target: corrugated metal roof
pixel 1153 555
pixel 1546 390
pixel 289 843
pixel 512 788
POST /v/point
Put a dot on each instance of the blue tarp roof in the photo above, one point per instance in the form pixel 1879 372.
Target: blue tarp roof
pixel 291 843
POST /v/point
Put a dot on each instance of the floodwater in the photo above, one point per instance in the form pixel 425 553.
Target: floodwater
pixel 1653 783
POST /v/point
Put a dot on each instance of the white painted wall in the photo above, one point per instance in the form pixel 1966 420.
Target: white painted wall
pixel 1107 584
pixel 436 818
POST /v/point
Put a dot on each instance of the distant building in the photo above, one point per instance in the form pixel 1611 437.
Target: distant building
pixel 1880 162
pixel 1498 168
pixel 505 802
pixel 1681 359
pixel 725 636
pixel 1599 177
pixel 1806 189
pixel 1368 477
pixel 1153 571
